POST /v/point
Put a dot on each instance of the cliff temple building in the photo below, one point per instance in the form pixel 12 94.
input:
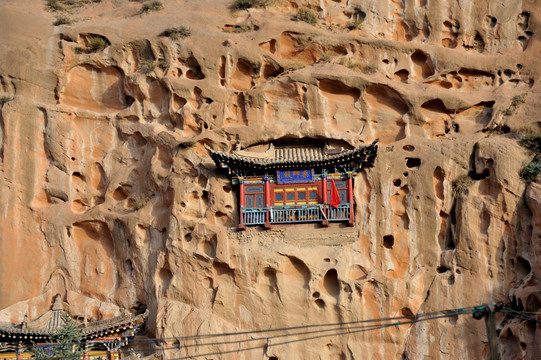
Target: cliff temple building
pixel 295 184
pixel 101 339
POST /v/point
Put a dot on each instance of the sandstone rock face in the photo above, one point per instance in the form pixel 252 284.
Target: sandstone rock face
pixel 110 198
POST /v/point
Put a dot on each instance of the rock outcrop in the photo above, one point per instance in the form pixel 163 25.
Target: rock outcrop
pixel 109 196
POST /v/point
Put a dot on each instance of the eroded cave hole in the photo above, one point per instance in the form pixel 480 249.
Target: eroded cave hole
pixel 331 283
pixel 483 175
pixel 523 266
pixel 388 241
pixel 413 162
pixel 407 313
pixel 129 265
pixel 533 302
pixel 320 303
pixel 442 269
pixel 397 182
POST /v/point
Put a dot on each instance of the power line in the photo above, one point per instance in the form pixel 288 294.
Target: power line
pixel 337 329
pixel 342 330
pixel 349 331
pixel 311 332
pixel 458 311
pixel 520 314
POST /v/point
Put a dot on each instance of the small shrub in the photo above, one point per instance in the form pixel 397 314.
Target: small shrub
pixel 515 103
pixel 60 5
pixel 151 6
pixel 96 43
pixel 461 184
pixel 364 68
pixel 176 32
pixel 292 66
pixel 532 142
pixel 530 171
pixel 162 64
pixel 146 66
pixel 247 4
pixel 139 202
pixel 63 20
pixel 237 29
pixel 326 57
pixel 354 24
pixel 54 5
pixel 5 99
pixel 369 69
pixel 306 15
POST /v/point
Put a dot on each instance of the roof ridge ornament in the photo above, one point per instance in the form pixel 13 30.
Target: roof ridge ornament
pixel 57 304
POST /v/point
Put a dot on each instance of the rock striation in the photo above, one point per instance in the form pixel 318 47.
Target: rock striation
pixel 110 199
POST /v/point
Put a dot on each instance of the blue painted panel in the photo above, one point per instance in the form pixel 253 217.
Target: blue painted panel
pixel 295 176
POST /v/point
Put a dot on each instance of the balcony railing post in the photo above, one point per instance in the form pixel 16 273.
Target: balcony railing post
pixel 325 213
pixel 242 226
pixel 350 199
pixel 267 203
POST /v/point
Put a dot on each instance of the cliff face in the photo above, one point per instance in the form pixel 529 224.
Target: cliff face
pixel 110 198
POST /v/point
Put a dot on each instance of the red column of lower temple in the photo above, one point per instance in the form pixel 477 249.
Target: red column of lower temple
pixel 325 200
pixel 241 212
pixel 267 203
pixel 350 199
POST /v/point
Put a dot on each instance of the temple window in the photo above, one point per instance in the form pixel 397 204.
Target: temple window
pixel 254 196
pixel 295 184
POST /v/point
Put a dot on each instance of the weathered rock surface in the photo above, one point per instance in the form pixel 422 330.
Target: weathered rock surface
pixel 109 198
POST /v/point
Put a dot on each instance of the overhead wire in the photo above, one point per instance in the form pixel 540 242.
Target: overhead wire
pixel 467 310
pixel 328 333
pixel 516 313
pixel 337 329
pixel 346 331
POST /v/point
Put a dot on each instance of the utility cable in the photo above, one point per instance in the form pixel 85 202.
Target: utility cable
pixel 459 311
pixel 520 314
pixel 349 331
pixel 336 331
pixel 341 331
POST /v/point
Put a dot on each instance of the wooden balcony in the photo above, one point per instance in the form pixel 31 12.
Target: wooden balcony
pixel 295 214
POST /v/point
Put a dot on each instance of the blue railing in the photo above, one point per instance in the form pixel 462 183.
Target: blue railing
pixel 338 214
pixel 296 214
pixel 254 216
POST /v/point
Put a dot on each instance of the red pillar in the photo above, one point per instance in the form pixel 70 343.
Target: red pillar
pixel 267 203
pixel 350 199
pixel 325 200
pixel 242 226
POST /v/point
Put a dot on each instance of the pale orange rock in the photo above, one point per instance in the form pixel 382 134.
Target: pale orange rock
pixel 110 199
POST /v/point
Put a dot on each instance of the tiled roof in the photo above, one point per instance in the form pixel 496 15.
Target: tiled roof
pixel 56 321
pixel 291 157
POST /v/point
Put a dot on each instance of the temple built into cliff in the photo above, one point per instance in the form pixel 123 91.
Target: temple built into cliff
pixel 99 339
pixel 293 184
